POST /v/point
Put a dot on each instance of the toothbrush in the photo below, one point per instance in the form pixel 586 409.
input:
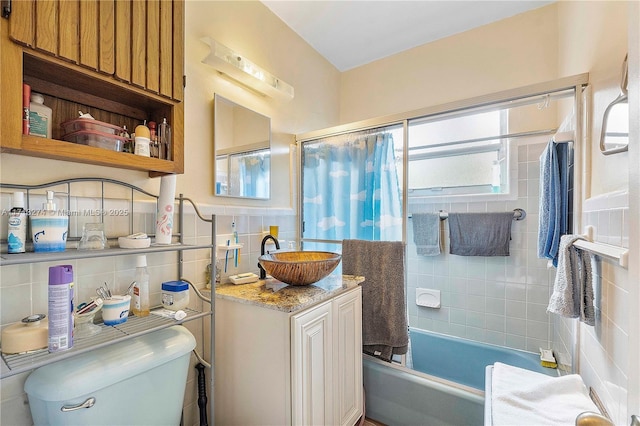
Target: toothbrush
pixel 226 257
pixel 235 239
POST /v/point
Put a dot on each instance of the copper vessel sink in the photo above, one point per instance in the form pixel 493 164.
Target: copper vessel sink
pixel 299 267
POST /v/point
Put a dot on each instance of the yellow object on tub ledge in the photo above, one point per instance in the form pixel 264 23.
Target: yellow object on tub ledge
pixel 523 397
pixel 547 359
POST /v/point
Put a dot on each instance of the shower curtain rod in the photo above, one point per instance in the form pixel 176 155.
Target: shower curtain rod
pixel 518 214
pixel 558 137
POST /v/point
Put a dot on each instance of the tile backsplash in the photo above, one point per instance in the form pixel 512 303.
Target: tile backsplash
pixel 604 350
pixel 23 288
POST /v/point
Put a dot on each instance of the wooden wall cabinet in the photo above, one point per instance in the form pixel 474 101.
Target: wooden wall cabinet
pixel 122 61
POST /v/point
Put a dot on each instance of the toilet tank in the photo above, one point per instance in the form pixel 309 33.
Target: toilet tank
pixel 136 382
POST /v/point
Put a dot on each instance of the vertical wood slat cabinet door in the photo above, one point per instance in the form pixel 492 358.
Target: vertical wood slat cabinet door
pixel 138 43
pixel 166 49
pixel 106 58
pixel 178 50
pixel 123 40
pixel 311 367
pixel 47 26
pixel 22 22
pixel 153 46
pixel 89 25
pixel 69 31
pixel 347 364
pixel 11 111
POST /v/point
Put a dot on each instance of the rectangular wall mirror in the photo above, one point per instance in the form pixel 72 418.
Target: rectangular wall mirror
pixel 242 146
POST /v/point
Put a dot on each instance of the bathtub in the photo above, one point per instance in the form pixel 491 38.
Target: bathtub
pixel 463 361
pixel 445 386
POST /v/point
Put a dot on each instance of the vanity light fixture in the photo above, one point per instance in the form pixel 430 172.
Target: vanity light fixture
pixel 239 68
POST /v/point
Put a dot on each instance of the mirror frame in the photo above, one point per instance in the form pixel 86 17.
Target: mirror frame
pixel 605 118
pixel 249 148
pixel 622 98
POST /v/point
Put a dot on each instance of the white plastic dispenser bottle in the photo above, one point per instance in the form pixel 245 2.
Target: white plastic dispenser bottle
pixel 49 227
pixel 495 177
pixel 17 226
pixel 39 117
pixel 141 288
pixel 60 308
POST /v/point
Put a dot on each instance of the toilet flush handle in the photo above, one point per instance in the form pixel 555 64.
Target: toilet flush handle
pixel 90 402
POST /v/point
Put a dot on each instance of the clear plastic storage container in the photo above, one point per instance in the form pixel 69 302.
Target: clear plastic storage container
pixel 97 139
pixel 175 295
pixel 89 124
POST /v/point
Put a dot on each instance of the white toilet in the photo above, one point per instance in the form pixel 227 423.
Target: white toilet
pixel 136 382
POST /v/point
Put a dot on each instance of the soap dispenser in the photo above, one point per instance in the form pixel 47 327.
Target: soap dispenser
pixel 49 227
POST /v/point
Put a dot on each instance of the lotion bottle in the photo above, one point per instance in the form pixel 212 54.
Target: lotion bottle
pixel 141 306
pixel 495 177
pixel 49 227
pixel 142 141
pixel 39 117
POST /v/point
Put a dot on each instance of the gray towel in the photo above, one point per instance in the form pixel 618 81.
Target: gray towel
pixel 480 234
pixel 573 287
pixel 426 233
pixel 384 316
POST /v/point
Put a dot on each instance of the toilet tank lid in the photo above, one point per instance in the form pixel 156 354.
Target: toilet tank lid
pixel 103 367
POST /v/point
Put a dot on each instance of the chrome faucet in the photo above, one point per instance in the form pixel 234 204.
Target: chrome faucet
pixel 263 273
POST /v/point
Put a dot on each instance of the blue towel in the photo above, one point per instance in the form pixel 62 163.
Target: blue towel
pixel 480 234
pixel 554 200
pixel 426 233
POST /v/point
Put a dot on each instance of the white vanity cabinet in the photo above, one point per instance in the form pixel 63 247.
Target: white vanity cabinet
pixel 301 368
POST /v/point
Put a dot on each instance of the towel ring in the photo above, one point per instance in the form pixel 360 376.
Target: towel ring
pixel 519 214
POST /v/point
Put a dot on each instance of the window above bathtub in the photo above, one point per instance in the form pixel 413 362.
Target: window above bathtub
pixel 471 152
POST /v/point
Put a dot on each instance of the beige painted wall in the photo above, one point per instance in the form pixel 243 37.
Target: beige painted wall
pixel 510 53
pixel 251 29
pixel 594 39
pixel 254 31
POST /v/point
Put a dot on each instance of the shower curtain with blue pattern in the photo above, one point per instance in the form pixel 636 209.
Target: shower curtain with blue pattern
pixel 351 188
pixel 253 175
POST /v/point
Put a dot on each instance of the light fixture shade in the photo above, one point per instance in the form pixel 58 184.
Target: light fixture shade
pixel 246 72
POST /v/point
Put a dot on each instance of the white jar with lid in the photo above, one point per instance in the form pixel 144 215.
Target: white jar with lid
pixel 175 295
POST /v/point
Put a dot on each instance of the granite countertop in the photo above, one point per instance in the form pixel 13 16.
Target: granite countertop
pixel 273 294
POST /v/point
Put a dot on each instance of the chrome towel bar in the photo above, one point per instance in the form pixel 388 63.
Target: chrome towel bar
pixel 518 214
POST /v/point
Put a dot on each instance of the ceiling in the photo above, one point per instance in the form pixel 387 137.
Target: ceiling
pixel 350 33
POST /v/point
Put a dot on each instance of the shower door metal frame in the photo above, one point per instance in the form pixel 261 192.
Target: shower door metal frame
pixel 581 189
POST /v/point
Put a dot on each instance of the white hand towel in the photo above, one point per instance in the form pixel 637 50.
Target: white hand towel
pixel 522 397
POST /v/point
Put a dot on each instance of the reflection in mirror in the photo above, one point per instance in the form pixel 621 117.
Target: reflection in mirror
pixel 242 142
pixel 244 174
pixel 615 123
pixel 615 127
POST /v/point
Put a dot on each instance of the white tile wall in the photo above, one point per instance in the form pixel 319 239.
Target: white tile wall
pixel 602 359
pixel 23 288
pixel 498 300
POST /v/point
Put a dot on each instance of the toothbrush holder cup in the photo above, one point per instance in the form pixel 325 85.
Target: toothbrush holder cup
pixel 116 310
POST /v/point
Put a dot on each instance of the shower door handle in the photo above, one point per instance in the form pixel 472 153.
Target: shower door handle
pixel 90 402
